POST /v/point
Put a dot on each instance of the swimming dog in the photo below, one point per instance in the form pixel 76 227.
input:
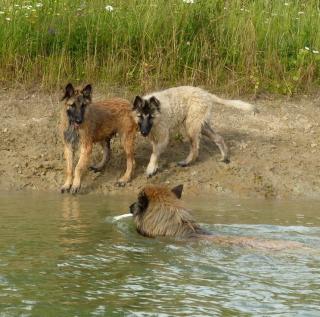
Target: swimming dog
pixel 159 212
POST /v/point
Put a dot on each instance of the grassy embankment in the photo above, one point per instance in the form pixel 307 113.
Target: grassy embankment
pixel 243 46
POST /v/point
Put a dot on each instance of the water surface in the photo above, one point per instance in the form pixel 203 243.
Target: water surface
pixel 63 256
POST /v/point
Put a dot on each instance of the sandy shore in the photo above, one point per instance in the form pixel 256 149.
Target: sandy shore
pixel 274 154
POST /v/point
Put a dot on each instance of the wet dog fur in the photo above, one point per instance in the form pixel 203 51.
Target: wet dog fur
pixel 159 212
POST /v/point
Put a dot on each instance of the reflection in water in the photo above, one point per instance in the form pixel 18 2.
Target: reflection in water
pixel 73 231
pixel 70 208
pixel 63 256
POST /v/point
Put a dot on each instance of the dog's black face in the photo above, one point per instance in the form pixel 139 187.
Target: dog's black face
pixel 76 103
pixel 139 207
pixel 146 112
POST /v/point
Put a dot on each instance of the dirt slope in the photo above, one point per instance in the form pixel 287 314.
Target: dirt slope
pixel 273 154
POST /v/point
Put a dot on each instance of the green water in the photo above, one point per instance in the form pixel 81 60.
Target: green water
pixel 63 256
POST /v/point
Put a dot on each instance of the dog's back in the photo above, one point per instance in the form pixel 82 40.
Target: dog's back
pixel 181 103
pixel 187 103
pixel 108 117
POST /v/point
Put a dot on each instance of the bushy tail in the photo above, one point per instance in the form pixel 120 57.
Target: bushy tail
pixel 235 103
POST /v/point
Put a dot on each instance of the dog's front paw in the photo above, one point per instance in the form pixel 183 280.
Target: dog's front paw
pixel 183 164
pixel 151 171
pixel 120 183
pixel 123 181
pixel 65 188
pixel 151 174
pixel 75 189
pixel 225 160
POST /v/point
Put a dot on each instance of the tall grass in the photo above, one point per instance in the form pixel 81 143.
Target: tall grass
pixel 240 45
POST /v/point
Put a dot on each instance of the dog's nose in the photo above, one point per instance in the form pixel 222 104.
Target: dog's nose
pixel 78 121
pixel 144 133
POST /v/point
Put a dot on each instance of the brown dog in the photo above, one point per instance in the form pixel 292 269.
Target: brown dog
pixel 87 122
pixel 160 212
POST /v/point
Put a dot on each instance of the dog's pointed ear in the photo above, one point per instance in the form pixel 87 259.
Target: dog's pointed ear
pixel 87 92
pixel 137 103
pixel 143 201
pixel 177 191
pixel 154 102
pixel 68 92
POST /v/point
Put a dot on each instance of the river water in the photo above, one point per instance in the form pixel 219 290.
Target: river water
pixel 64 256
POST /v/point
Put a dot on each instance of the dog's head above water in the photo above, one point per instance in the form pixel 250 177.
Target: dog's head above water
pixel 76 102
pixel 146 112
pixel 160 212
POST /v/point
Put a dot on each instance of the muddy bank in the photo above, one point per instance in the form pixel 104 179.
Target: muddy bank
pixel 273 154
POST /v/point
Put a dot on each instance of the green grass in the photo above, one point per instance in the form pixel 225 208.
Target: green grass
pixel 241 46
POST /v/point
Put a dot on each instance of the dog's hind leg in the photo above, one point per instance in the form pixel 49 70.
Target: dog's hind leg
pixel 218 140
pixel 105 157
pixel 193 133
pixel 128 145
pixel 194 151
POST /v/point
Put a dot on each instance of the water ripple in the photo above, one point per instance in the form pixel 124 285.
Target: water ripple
pixel 65 257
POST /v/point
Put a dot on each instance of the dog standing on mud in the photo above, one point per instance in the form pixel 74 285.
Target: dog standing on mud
pixel 159 212
pixel 87 122
pixel 160 112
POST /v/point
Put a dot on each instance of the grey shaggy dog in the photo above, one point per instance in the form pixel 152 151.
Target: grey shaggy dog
pixel 160 113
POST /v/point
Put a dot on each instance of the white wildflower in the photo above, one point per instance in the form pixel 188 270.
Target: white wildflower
pixel 8 19
pixel 188 1
pixel 28 7
pixel 39 5
pixel 300 12
pixel 188 43
pixel 315 51
pixel 307 48
pixel 109 8
pixel 1 12
pixel 286 3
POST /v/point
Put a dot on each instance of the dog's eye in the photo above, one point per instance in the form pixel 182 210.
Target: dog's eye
pixel 73 105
